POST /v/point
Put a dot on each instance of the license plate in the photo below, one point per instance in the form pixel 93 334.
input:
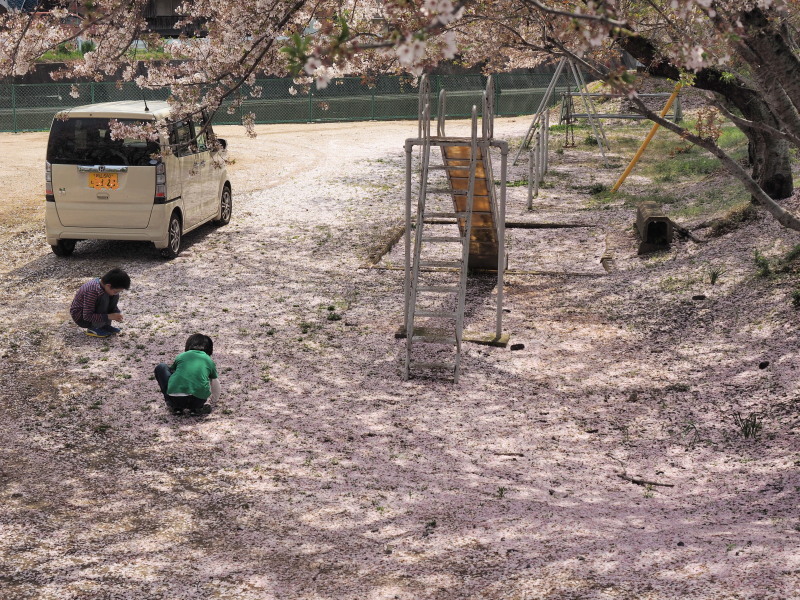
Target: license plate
pixel 101 181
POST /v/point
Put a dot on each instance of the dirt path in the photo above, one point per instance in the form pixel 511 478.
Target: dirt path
pixel 323 475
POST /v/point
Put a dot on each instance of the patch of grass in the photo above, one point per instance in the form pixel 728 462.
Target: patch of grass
pixel 749 426
pixel 732 138
pixel 737 217
pixel 796 298
pixel 430 527
pixel 714 273
pixel 763 267
pixel 517 183
pixel 632 200
pixel 684 166
pixel 792 255
pixel 677 284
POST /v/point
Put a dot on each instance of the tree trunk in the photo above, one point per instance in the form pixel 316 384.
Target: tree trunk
pixel 771 168
pixel 768 153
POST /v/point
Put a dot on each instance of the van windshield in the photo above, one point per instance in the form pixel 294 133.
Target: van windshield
pixel 88 142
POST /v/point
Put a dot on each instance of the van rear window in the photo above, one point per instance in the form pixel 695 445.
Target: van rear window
pixel 88 142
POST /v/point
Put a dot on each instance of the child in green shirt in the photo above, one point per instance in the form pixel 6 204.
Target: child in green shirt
pixel 192 379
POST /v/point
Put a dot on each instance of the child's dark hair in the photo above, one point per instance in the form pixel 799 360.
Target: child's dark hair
pixel 198 341
pixel 118 279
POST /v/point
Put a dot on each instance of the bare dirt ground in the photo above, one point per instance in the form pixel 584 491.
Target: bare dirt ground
pixel 600 461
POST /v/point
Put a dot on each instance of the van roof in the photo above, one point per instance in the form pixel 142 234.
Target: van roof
pixel 125 109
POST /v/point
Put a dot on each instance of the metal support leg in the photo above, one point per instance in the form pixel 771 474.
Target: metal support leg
pixel 501 240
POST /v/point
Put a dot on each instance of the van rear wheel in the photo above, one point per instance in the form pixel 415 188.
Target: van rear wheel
pixel 225 206
pixel 64 247
pixel 174 234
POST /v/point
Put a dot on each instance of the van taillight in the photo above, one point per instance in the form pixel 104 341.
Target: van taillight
pixel 161 182
pixel 48 178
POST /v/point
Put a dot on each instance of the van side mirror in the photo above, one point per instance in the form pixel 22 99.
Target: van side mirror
pixel 223 143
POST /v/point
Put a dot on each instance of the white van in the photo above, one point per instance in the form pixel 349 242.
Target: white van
pixel 104 189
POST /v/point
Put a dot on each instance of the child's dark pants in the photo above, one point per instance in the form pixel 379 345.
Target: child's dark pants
pixel 105 304
pixel 176 403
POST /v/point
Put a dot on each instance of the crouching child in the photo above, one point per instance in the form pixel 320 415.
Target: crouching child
pixel 192 379
pixel 96 303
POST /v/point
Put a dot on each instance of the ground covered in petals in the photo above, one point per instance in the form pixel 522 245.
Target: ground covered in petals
pixel 601 455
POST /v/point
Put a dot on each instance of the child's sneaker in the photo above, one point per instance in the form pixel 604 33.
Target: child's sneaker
pixel 110 328
pixel 98 332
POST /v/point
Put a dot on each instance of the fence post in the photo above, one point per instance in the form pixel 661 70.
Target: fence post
pixel 92 90
pixel 14 106
pixel 310 103
pixel 372 106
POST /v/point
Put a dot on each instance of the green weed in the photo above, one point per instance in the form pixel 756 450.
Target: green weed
pixel 763 267
pixel 796 298
pixel 714 273
pixel 749 426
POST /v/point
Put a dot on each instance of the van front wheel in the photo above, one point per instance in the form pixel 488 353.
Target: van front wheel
pixel 174 232
pixel 64 247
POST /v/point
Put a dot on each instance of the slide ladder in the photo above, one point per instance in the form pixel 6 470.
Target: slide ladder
pixel 458 226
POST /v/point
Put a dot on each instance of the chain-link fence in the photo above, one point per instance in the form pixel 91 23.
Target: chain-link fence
pixel 31 107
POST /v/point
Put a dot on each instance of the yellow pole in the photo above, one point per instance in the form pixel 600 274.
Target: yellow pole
pixel 649 137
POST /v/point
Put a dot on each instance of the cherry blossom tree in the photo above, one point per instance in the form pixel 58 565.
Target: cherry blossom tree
pixel 741 51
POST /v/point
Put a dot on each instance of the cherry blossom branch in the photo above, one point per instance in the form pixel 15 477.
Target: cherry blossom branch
pixel 573 15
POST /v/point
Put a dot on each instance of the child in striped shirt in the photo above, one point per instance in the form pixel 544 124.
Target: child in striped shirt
pixel 95 303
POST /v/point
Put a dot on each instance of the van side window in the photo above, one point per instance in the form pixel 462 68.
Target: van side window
pixel 180 138
pixel 202 145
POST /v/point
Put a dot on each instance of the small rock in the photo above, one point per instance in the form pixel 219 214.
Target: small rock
pixel 763 364
pixel 517 346
pixel 681 544
pixel 699 297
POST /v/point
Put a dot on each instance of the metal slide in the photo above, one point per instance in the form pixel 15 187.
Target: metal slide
pixel 458 226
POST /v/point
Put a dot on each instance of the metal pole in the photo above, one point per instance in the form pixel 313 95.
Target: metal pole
pixel 537 159
pixel 409 150
pixel 501 241
pixel 529 205
pixel 592 108
pixel 646 141
pixel 542 155
pixel 546 130
pixel 544 102
pixel 597 136
pixel 14 106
